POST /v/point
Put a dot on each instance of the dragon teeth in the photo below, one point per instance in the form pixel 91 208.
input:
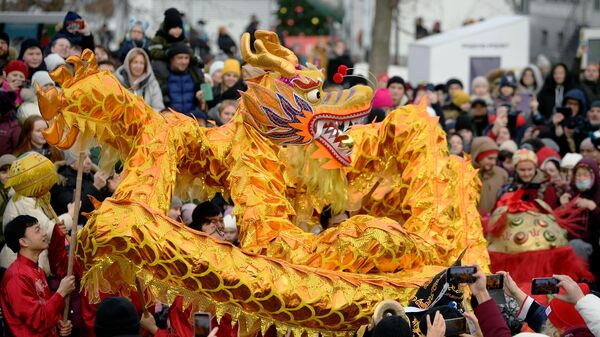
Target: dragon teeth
pixel 346 125
pixel 320 125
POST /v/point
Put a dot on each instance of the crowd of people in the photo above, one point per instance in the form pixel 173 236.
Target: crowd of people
pixel 535 129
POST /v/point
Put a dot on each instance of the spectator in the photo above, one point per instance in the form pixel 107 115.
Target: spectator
pixel 10 130
pixel 485 154
pixel 175 209
pixel 562 315
pixel 585 184
pixel 543 65
pixel 328 219
pixel 16 73
pixel 382 99
pixel 340 56
pixel 53 61
pixel 31 54
pixel 32 139
pixel 231 83
pixel 480 90
pixel 107 66
pixel 464 127
pixel 420 30
pixel 231 230
pixel 186 213
pixel 396 87
pixel 408 88
pixel 6 53
pixel 508 86
pixel 117 316
pixel 587 305
pixel 5 161
pixel 567 164
pixel 28 307
pixel 61 46
pixel 251 29
pixel 590 82
pixel 555 87
pixel 455 143
pixel 532 181
pixel 216 73
pixel 226 43
pixel 460 103
pixel 208 218
pixel 93 184
pixel 30 105
pixel 135 38
pixel 593 118
pixel 102 54
pixel 567 130
pixel 227 110
pixel 318 55
pixel 77 31
pixel 530 81
pixel 588 150
pixel 479 115
pixel 452 85
pixel 549 163
pixel 136 74
pixel 180 89
pixel 170 33
pixel 105 36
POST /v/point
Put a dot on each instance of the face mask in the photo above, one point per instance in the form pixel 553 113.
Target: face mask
pixel 583 185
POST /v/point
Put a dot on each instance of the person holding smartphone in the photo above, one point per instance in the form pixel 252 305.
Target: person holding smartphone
pixel 76 30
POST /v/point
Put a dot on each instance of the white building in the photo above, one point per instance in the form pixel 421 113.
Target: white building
pixel 470 51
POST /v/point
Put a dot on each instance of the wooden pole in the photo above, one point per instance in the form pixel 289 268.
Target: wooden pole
pixel 73 238
pixel 138 285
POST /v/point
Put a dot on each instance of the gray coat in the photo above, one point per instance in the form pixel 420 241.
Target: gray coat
pixel 147 85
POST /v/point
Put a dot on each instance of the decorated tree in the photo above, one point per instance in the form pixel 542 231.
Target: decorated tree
pixel 301 18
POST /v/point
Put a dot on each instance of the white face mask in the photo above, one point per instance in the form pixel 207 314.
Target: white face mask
pixel 583 185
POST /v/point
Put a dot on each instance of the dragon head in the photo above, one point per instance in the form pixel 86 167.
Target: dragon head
pixel 88 105
pixel 288 106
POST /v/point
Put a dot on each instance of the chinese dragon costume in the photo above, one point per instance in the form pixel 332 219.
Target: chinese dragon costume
pixel 291 149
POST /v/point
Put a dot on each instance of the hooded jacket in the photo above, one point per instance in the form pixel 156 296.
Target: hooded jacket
pixel 85 41
pixel 491 181
pixel 537 76
pixel 146 85
pixel 593 217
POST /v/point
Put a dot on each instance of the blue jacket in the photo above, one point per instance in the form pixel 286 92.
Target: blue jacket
pixel 182 89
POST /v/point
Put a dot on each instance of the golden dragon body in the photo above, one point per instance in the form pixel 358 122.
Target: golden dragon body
pixel 279 159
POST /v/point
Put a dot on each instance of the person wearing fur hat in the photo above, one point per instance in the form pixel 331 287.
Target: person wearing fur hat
pixel 76 30
pixel 170 32
pixel 137 75
pixel 531 180
pixel 10 131
pixel 7 53
pixel 31 54
pixel 485 153
pixel 135 38
pixel 30 105
pixel 15 74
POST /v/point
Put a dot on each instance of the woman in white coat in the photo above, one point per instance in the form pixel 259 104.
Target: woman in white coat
pixel 136 74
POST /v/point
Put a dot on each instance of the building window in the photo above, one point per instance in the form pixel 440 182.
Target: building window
pixel 544 37
pixel 561 37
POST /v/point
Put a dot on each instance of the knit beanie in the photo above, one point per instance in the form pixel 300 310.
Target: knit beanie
pixel 482 147
pixel 70 17
pixel 460 97
pixel 563 315
pixel 508 81
pixel 395 79
pixel 524 155
pixel 26 44
pixel 463 122
pixel 5 37
pixel 178 48
pixel 232 66
pixel 214 67
pixel 16 65
pixel 116 316
pixel 595 104
pixel 382 99
pixel 172 19
pixel 570 160
pixel 509 145
pixel 453 81
pixel 53 61
pixel 42 78
pixel 546 154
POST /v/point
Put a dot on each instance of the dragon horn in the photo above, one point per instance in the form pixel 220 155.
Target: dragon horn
pixel 269 56
pixel 89 57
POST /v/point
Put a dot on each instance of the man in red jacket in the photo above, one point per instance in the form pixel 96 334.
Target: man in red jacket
pixel 28 307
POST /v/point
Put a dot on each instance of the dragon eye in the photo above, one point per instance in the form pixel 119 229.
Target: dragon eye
pixel 313 96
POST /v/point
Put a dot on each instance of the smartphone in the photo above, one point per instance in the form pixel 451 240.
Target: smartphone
pixel 80 23
pixel 456 326
pixel 495 281
pixel 566 111
pixel 207 91
pixel 201 324
pixel 544 285
pixel 524 103
pixel 457 275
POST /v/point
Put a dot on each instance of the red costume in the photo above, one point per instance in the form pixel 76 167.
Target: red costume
pixel 29 308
